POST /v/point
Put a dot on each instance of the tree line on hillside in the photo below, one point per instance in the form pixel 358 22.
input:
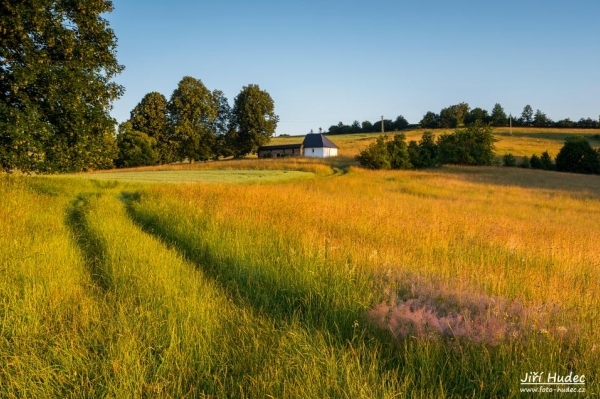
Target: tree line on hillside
pixel 462 115
pixel 472 145
pixel 575 156
pixel 459 115
pixel 389 125
pixel 195 124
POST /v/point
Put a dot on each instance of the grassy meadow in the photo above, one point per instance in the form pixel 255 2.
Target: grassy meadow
pixel 338 282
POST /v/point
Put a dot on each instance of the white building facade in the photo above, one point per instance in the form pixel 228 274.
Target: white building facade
pixel 318 146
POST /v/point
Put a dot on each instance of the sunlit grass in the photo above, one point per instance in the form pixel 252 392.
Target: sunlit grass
pixel 203 176
pixel 451 282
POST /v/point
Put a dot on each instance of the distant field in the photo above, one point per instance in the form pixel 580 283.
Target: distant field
pixel 522 142
pixel 204 176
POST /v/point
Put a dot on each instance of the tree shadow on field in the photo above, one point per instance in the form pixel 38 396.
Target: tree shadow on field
pixel 249 286
pixel 319 312
pixel 90 245
pixel 577 185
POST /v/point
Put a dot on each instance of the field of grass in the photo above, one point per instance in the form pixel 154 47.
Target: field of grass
pixel 452 282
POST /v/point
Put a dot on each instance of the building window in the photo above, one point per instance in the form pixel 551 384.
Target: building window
pixel 313 150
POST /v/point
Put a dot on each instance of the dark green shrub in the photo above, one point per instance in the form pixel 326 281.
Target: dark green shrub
pixel 398 152
pixel 535 162
pixel 376 155
pixel 135 148
pixel 525 163
pixel 578 156
pixel 509 160
pixel 473 145
pixel 546 160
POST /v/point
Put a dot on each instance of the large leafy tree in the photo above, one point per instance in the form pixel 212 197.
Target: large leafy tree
pixel 57 62
pixel 254 119
pixel 193 110
pixel 151 117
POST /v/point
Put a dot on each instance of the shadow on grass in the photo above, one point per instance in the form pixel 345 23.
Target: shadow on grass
pixel 580 185
pixel 592 136
pixel 259 289
pixel 92 247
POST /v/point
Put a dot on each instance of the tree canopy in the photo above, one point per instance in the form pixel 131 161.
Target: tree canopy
pixel 254 119
pixel 151 116
pixel 193 110
pixel 57 62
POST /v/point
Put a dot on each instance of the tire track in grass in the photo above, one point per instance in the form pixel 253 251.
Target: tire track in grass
pixel 165 317
pixel 49 314
pixel 315 361
pixel 261 289
pixel 177 334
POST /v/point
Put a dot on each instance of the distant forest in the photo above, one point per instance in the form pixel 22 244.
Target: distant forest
pixel 462 115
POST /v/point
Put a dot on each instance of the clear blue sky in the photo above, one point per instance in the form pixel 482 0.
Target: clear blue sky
pixel 330 61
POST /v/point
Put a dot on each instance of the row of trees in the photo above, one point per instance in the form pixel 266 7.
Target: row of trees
pixel 473 145
pixel 459 115
pixel 57 65
pixel 195 124
pixel 576 156
pixel 462 115
pixel 367 127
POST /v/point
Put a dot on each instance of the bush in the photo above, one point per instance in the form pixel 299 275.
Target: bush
pixel 398 152
pixel 384 154
pixel 578 156
pixel 546 161
pixel 536 162
pixel 135 148
pixel 428 151
pixel 509 160
pixel 473 145
pixel 376 155
pixel 525 163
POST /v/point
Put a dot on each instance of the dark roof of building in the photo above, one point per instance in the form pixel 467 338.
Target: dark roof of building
pixel 318 140
pixel 279 147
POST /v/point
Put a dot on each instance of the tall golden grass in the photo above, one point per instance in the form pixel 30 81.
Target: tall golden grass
pixel 452 282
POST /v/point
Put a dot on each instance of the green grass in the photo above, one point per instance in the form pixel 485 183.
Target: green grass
pixel 210 289
pixel 203 176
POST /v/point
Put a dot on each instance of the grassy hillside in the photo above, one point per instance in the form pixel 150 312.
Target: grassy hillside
pixel 522 142
pixel 452 282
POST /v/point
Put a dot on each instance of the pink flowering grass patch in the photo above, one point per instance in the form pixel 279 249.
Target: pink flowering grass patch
pixel 419 307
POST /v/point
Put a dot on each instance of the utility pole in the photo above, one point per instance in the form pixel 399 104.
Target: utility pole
pixel 510 123
pixel 382 124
